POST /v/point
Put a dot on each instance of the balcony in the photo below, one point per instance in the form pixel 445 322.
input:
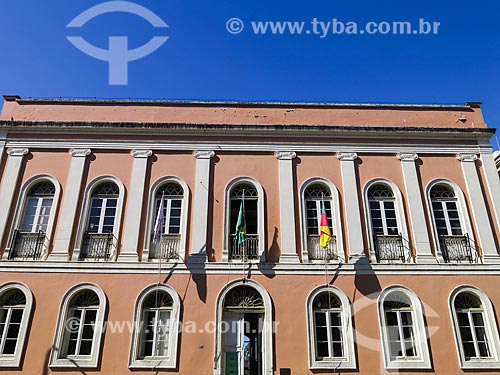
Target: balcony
pixel 457 249
pixel 98 246
pixel 316 252
pixel 248 250
pixel 27 246
pixel 167 249
pixel 392 249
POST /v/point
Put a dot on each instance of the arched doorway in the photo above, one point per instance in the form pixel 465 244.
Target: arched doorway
pixel 244 334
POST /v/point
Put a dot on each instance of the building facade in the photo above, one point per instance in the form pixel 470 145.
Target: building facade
pixel 120 252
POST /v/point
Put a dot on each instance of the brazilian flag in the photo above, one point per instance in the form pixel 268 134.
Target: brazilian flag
pixel 241 226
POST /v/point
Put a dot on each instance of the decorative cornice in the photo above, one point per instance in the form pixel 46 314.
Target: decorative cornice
pixel 285 155
pixel 80 152
pixel 407 156
pixel 348 156
pixel 141 154
pixel 201 154
pixel 17 151
pixel 467 157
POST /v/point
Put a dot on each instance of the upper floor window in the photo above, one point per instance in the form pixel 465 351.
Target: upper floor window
pixel 317 196
pixel 170 197
pixel 34 219
pixel 445 209
pixel 451 227
pixel 98 233
pixel 387 229
pixel 244 198
pixel 155 334
pixel 79 328
pixel 382 210
pixel 475 329
pixel 331 342
pixel 403 331
pixel 37 208
pixel 15 310
pixel 103 204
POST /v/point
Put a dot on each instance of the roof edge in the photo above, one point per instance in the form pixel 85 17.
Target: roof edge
pixel 270 104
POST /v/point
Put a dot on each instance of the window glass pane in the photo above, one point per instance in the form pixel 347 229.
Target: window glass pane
pixel 10 346
pixel 484 350
pixel 469 350
pixel 337 349
pixel 322 349
pixel 395 347
pixel 29 214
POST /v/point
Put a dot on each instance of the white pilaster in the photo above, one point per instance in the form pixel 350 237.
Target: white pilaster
pixel 492 182
pixel 71 197
pixel 478 204
pixel 351 205
pixel 287 207
pixel 135 204
pixel 198 251
pixel 416 207
pixel 8 188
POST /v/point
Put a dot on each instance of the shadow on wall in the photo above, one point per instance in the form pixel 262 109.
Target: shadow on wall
pixel 365 279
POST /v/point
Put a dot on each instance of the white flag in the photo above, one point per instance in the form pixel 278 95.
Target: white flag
pixel 158 231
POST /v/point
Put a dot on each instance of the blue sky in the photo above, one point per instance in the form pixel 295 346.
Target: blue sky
pixel 203 61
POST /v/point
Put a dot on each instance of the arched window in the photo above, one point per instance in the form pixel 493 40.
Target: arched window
pixel 403 331
pixel 244 334
pixel 316 196
pixel 475 329
pixel 101 220
pixel 383 210
pixel 166 237
pixel 244 194
pixel 155 334
pixel 30 238
pixel 79 328
pixel 331 341
pixel 451 226
pixel 15 310
pixel 385 220
pixel 445 209
pixel 166 242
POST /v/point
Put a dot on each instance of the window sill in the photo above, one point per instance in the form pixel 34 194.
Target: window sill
pixel 408 364
pixel 157 363
pixel 480 364
pixel 10 361
pixel 88 363
pixel 333 364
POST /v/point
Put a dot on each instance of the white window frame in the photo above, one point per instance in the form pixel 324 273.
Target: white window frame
pixel 463 213
pixel 150 223
pixel 19 212
pixel 14 360
pixel 102 214
pixel 260 218
pixel 398 206
pixel 422 359
pixel 348 362
pixel 490 328
pixel 170 361
pixel 267 326
pixel 336 218
pixel 82 228
pixel 85 361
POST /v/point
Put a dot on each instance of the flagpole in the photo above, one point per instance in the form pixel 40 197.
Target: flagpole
pixel 244 242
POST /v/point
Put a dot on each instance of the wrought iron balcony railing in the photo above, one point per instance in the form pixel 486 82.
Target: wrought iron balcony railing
pixel 392 248
pixel 27 246
pixel 249 249
pixel 458 249
pixel 167 249
pixel 316 252
pixel 98 246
